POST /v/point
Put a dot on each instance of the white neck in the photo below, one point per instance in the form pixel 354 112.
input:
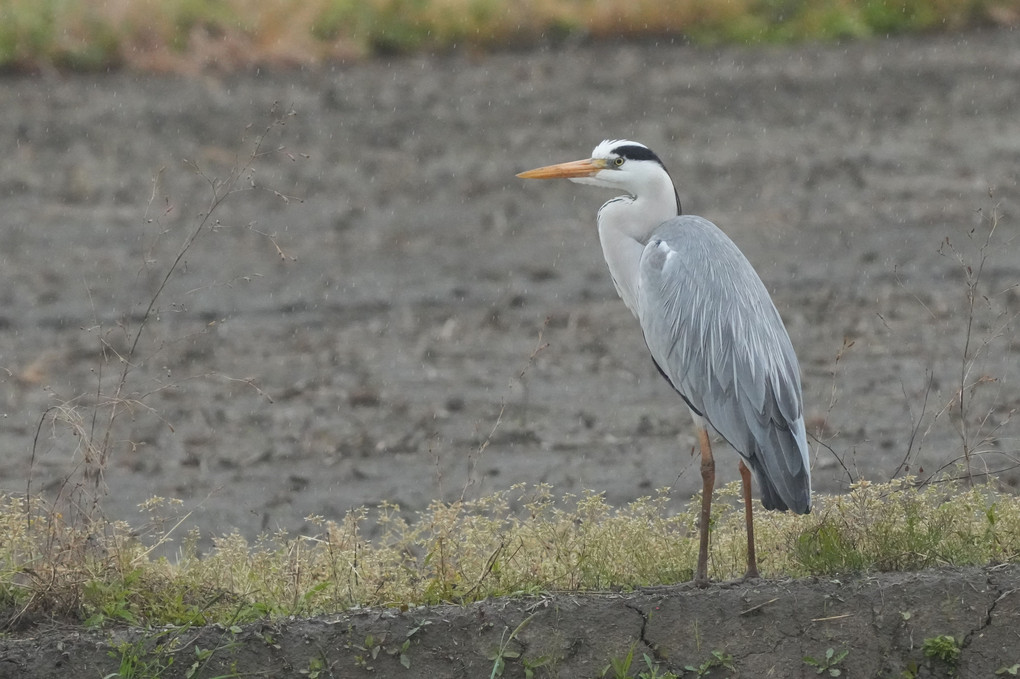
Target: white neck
pixel 625 225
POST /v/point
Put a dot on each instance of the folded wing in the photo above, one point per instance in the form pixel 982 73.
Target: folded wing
pixel 715 334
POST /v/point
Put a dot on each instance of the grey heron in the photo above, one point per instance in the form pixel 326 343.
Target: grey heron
pixel 710 326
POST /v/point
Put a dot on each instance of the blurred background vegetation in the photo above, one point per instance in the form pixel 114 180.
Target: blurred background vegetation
pixel 189 35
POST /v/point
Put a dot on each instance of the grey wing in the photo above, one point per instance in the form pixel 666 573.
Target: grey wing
pixel 716 336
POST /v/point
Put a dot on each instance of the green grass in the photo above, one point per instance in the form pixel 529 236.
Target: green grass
pixel 186 35
pixel 471 550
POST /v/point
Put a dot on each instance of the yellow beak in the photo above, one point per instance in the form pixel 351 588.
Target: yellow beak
pixel 576 168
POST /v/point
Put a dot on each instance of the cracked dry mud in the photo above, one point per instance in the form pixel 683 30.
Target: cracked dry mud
pixel 419 275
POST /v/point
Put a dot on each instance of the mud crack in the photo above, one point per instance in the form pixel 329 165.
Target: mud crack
pixel 642 637
pixel 989 613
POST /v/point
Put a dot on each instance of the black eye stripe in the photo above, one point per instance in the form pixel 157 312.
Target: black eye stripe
pixel 636 152
pixel 633 152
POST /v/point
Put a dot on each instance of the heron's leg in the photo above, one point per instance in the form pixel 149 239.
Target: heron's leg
pixel 708 484
pixel 745 484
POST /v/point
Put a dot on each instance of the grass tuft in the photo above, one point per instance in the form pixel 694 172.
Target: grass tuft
pixel 470 550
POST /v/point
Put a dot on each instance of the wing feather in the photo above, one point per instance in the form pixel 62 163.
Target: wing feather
pixel 716 336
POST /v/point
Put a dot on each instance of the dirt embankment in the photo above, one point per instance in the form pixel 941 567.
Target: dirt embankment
pixel 887 623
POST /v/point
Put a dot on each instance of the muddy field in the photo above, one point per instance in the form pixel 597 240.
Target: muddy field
pixel 383 312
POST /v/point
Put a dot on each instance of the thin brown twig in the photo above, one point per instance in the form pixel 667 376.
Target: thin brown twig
pixel 476 457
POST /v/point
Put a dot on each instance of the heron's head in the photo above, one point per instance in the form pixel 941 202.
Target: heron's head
pixel 615 164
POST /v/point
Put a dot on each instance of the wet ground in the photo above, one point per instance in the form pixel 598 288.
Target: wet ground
pixel 416 323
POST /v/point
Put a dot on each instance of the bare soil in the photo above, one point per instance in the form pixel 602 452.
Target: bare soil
pixel 428 305
pixel 760 629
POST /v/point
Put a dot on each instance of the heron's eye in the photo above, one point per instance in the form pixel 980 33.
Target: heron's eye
pixel 618 162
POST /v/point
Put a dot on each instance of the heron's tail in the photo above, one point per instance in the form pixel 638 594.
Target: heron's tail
pixel 785 476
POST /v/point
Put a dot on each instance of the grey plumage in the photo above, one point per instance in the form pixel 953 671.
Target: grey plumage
pixel 715 334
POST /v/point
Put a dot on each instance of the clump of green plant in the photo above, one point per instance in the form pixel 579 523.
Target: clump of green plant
pixel 900 526
pixel 829 663
pixel 154 654
pixel 944 649
pixel 136 660
pixel 620 668
pixel 530 665
pixel 716 659
pixel 503 653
